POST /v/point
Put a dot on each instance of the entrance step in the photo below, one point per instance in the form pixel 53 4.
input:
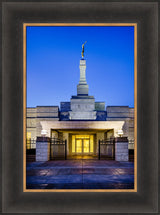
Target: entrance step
pixel 82 157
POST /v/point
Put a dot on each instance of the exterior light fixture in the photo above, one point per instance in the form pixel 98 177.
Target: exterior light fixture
pixel 120 133
pixel 43 133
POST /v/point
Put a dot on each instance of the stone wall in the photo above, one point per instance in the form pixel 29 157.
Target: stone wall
pixel 82 107
pixel 42 149
pixel 39 126
pixel 51 114
pixel 119 113
pixel 31 112
pixel 31 121
pixel 47 111
pixel 121 149
pixel 38 114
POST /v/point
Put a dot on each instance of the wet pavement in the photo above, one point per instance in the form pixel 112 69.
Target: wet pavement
pixel 80 174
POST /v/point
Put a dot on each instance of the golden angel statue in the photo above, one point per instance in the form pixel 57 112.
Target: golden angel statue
pixel 82 53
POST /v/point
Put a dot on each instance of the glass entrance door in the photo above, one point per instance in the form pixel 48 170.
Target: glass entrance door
pixel 78 145
pixel 86 145
pixel 82 144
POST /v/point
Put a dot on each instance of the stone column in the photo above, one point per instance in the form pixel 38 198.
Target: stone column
pixel 43 149
pixel 121 149
pixel 82 87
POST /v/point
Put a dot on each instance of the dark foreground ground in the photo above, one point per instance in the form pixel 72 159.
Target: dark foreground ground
pixel 80 174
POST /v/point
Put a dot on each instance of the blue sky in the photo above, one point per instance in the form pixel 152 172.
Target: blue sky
pixel 53 55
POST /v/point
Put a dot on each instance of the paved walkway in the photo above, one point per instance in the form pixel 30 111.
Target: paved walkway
pixel 80 174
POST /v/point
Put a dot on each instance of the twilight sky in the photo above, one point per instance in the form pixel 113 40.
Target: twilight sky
pixel 53 55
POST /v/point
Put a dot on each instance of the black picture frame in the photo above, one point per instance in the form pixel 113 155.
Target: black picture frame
pixel 14 14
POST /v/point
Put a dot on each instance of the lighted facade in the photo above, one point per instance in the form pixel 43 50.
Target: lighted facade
pixel 82 121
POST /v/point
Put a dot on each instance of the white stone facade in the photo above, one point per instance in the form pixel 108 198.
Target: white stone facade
pixel 42 151
pixel 82 115
pixel 121 151
pixel 82 109
pixel 118 113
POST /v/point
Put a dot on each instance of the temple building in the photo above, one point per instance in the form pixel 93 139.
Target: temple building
pixel 82 121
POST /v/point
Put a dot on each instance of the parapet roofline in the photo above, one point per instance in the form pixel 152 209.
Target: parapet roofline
pixel 48 106
pixel 99 102
pixel 30 107
pixel 117 106
pixel 44 106
pixel 82 97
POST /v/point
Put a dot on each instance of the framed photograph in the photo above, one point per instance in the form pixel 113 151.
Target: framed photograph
pixel 80 119
pixel 89 147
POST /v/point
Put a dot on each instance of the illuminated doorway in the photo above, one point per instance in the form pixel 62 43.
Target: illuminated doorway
pixel 82 144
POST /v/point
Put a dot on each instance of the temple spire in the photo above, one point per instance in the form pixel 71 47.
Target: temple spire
pixel 82 87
